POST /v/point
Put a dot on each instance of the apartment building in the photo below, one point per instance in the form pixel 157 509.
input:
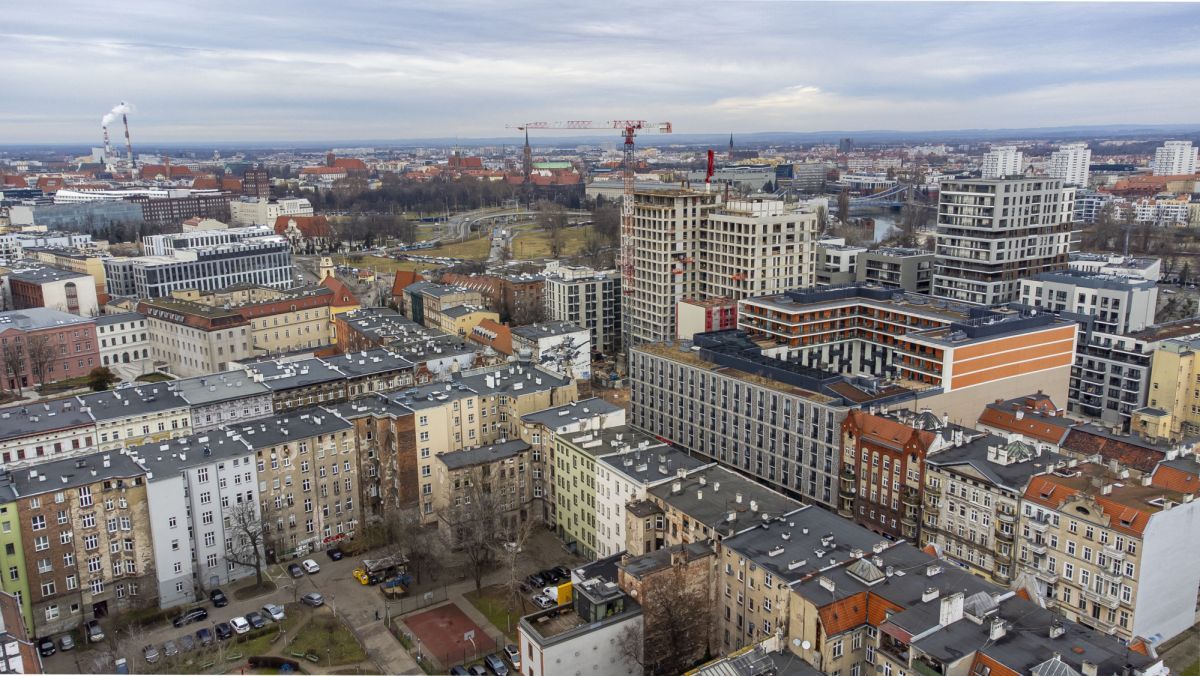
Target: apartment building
pixel 1119 304
pixel 561 347
pixel 281 321
pixel 1121 266
pixel 694 316
pixel 674 586
pixel 902 268
pixel 18 654
pixel 86 260
pixel 432 351
pixel 750 248
pixel 460 319
pixel 638 464
pixel 307 474
pixel 1106 550
pixel 85 531
pixel 837 262
pixel 1034 419
pixel 540 430
pixel 1175 158
pixel 576 477
pixel 883 472
pixel 300 383
pixel 424 302
pixel 446 418
pixel 54 288
pixel 731 407
pixel 224 399
pixel 386 436
pixel 137 415
pixel 519 299
pixel 955 357
pixel 257 260
pixel 172 243
pixel 371 371
pixel 665 242
pixel 46 346
pixel 125 342
pixel 499 473
pixel 1002 161
pixel 195 486
pixel 589 299
pixel 262 210
pixel 972 500
pixel 583 635
pixel 12 555
pixel 47 430
pixel 192 339
pixel 1173 395
pixel 508 392
pixel 992 233
pixel 1071 164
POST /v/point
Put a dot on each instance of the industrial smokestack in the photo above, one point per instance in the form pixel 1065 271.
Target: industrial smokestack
pixel 107 148
pixel 129 145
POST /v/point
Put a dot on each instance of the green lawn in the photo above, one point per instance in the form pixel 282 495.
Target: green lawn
pixel 327 637
pixel 471 249
pixel 64 385
pixel 537 244
pixel 154 378
pixel 1193 670
pixel 381 264
pixel 491 602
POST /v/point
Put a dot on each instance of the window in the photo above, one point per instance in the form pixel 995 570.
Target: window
pixel 38 522
pixel 41 543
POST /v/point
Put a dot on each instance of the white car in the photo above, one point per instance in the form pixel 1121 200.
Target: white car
pixel 550 593
pixel 310 566
pixel 543 602
pixel 273 611
pixel 240 625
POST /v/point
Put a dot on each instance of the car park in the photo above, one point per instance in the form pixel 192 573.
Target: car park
pixel 190 616
pixel 313 599
pixel 294 570
pixel 151 654
pixel 513 653
pixel 170 649
pixel 239 624
pixel 93 631
pixel 46 647
pixel 204 636
pixel 549 575
pixel 496 665
pixel 543 602
pixel 218 598
pixel 310 566
pixel 274 612
pixel 224 630
pixel 66 642
pixel 186 643
pixel 255 620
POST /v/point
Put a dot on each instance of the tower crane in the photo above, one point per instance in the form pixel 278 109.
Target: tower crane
pixel 629 129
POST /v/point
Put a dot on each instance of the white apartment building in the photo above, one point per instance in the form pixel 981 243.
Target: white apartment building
pixel 1002 161
pixel 193 484
pixel 587 298
pixel 753 248
pixel 1162 211
pixel 584 637
pixel 124 343
pixel 1174 158
pixel 991 233
pixel 560 347
pixel 1070 163
pixel 639 463
pixel 265 261
pixel 1119 304
pixel 169 244
pixel 1114 264
pixel 255 211
pixel 666 224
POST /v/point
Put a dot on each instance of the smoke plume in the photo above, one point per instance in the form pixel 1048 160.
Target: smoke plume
pixel 119 109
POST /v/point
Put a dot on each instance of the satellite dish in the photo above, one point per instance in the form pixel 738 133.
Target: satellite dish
pixel 806 645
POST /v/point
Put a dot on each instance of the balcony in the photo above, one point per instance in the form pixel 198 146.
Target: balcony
pixel 1099 599
pixel 1037 547
pixel 1038 526
pixel 1002 535
pixel 1114 553
pixel 1047 576
pixel 1006 517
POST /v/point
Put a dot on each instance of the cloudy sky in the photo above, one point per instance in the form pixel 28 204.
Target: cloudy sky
pixel 369 69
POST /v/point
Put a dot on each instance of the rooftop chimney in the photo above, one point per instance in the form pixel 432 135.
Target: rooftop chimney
pixel 951 610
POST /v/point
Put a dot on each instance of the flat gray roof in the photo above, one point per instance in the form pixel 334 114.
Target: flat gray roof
pixel 42 416
pixel 560 416
pixel 514 378
pixel 292 426
pixel 121 317
pixel 73 472
pixel 131 401
pixel 545 330
pixel 656 462
pixel 217 387
pixel 168 458
pixel 483 454
pixel 45 274
pixel 431 395
pixel 376 404
pixel 35 318
pixel 280 375
pixel 356 364
pixel 711 502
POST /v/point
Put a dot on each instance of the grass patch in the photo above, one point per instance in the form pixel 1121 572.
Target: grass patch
pixel 492 603
pixel 252 590
pixel 326 637
pixel 64 385
pixel 381 264
pixel 476 248
pixel 155 377
pixel 536 244
pixel 1193 670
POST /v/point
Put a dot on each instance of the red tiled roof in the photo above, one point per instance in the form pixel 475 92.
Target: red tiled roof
pixel 885 430
pixel 322 170
pixel 1177 479
pixel 1083 442
pixel 204 183
pixel 149 171
pixel 341 293
pixel 350 164
pixel 994 668
pixel 1048 491
pixel 309 226
pixel 10 181
pixel 403 279
pixel 1138 645
pixel 844 614
pixel 49 183
pixel 231 184
pixel 502 343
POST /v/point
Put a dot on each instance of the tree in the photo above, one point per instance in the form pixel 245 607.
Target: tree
pixel 768 187
pixel 552 218
pixel 508 551
pixel 42 353
pixel 473 527
pixel 631 646
pixel 248 544
pixel 844 206
pixel 676 616
pixel 606 222
pixel 410 539
pixel 822 219
pixel 13 354
pixel 101 378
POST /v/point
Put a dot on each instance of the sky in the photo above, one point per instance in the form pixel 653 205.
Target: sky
pixel 258 70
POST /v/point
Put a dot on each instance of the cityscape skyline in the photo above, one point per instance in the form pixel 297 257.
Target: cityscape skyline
pixel 419 72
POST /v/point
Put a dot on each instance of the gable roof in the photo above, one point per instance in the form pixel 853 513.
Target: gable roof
pixel 309 226
pixel 341 293
pixel 1034 416
pixel 493 334
pixel 403 279
pixel 887 431
pixel 1180 474
pixel 1085 442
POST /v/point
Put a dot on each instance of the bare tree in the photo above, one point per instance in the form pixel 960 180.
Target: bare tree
pixel 42 354
pixel 249 537
pixel 606 223
pixel 844 206
pixel 508 552
pixel 473 527
pixel 13 354
pixel 631 646
pixel 677 617
pixel 408 538
pixel 552 218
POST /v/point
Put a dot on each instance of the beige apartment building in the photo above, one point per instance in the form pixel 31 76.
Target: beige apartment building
pixel 499 472
pixel 281 320
pixel 84 261
pixel 460 319
pixel 308 480
pixel 138 415
pixel 191 339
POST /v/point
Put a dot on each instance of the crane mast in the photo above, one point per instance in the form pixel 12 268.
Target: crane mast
pixel 629 129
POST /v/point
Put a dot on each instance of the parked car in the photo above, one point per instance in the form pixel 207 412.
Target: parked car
pixel 204 636
pixel 459 670
pixel 294 570
pixel 564 573
pixel 313 599
pixel 151 654
pixel 310 566
pixel 46 647
pixel 239 624
pixel 186 643
pixel 549 575
pixel 256 621
pixel 66 642
pixel 170 649
pixel 93 631
pixel 334 554
pixel 193 615
pixel 121 666
pixel 543 602
pixel 224 630
pixel 536 580
pixel 513 653
pixel 273 611
pixel 496 665
pixel 218 598
pixel 477 670
pixel 551 593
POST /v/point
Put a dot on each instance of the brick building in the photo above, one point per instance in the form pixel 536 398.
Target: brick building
pixel 43 346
